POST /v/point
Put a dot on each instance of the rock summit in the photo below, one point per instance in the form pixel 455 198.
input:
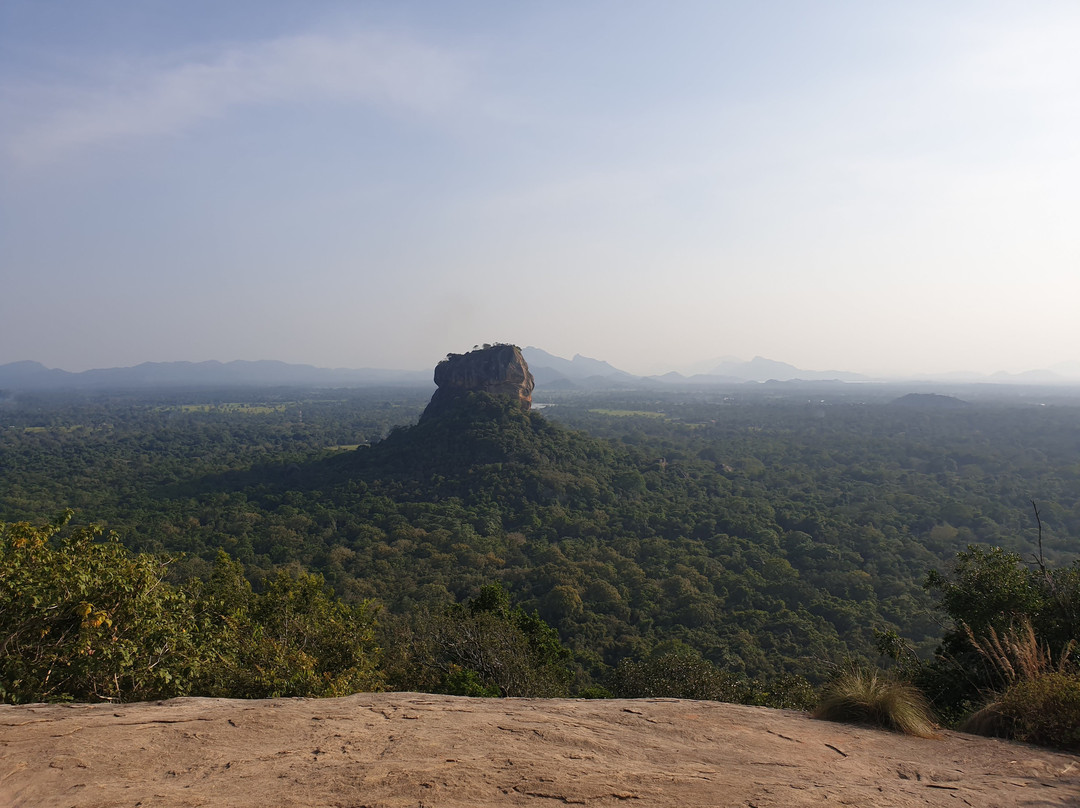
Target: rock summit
pixel 498 370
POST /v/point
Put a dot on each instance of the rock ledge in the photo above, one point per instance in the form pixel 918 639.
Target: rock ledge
pixel 400 750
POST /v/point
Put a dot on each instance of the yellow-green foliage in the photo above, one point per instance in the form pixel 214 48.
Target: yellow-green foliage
pixel 1044 710
pixel 84 619
pixel 863 696
pixel 81 618
pixel 293 639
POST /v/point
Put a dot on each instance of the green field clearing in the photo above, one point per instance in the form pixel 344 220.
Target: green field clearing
pixel 625 413
pixel 233 407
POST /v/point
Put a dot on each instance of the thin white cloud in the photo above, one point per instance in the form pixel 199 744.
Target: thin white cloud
pixel 357 67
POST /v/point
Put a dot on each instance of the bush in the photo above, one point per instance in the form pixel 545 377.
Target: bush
pixel 683 674
pixel 787 692
pixel 862 696
pixel 1043 710
pixel 1011 622
pixel 484 647
pixel 83 619
pixel 1040 702
pixel 293 639
pixel 677 675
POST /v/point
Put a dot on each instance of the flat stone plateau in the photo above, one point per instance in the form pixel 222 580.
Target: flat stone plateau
pixel 391 750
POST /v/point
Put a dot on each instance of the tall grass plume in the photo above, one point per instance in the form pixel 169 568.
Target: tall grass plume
pixel 1016 653
pixel 1040 699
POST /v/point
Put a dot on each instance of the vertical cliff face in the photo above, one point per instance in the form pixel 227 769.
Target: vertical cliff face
pixel 500 370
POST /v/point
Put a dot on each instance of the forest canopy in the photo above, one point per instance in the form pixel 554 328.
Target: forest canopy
pixel 767 534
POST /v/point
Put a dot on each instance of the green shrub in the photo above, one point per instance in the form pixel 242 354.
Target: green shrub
pixel 676 675
pixel 484 647
pixel 464 682
pixel 1010 622
pixel 786 692
pixel 295 638
pixel 1043 710
pixel 83 619
pixel 1040 701
pixel 862 696
pixel 683 674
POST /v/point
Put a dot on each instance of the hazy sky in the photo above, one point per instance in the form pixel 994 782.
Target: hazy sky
pixel 871 186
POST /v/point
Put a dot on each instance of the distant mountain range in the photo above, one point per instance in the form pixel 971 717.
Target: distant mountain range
pixel 760 369
pixel 264 373
pixel 581 372
pixel 552 373
pixel 555 373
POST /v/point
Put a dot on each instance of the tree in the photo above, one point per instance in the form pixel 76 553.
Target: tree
pixel 293 639
pixel 84 619
pixel 486 647
pixel 1007 618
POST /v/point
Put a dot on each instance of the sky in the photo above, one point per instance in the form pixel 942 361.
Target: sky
pixel 886 187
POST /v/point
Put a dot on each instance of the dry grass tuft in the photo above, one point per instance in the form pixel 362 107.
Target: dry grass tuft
pixel 991 721
pixel 862 696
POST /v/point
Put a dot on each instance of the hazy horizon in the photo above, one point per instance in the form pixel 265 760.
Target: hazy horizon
pixel 1068 372
pixel 888 189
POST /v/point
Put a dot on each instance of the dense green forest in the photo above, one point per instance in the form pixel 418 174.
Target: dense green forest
pixel 767 531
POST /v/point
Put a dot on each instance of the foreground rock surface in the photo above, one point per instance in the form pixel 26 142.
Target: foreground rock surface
pixel 401 749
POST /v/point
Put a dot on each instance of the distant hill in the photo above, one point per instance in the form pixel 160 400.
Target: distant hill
pixel 1039 376
pixel 581 372
pixel 760 369
pixel 551 372
pixel 23 375
pixel 929 401
pixel 264 373
pixel 555 373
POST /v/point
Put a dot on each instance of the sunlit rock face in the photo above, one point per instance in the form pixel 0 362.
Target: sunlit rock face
pixel 499 370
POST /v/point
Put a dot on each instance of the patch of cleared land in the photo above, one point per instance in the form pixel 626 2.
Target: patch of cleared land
pixel 628 413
